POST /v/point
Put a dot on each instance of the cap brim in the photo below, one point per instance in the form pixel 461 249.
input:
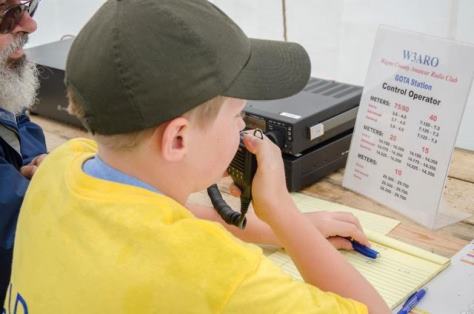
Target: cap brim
pixel 274 70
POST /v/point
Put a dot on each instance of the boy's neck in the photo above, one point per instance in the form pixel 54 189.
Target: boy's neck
pixel 147 169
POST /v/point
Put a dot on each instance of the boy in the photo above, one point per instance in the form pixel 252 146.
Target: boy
pixel 160 83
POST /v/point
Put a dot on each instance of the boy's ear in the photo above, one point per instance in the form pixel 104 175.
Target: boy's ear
pixel 174 139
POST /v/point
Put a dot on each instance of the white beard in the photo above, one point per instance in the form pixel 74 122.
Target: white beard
pixel 18 80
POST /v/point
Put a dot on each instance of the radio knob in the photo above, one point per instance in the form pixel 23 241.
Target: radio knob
pixel 277 136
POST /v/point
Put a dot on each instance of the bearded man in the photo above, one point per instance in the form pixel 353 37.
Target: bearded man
pixel 22 144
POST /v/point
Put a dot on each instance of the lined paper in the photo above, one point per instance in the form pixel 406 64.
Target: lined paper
pixel 395 274
pixel 377 223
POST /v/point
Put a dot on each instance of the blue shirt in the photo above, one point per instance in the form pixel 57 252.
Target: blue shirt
pixel 97 168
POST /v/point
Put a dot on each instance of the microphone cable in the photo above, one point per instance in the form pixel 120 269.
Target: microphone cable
pixel 229 215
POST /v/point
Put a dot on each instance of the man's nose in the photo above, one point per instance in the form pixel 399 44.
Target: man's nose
pixel 26 24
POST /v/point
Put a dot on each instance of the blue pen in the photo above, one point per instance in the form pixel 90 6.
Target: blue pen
pixel 412 301
pixel 364 250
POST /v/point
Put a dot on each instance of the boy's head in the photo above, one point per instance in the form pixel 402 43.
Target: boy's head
pixel 137 64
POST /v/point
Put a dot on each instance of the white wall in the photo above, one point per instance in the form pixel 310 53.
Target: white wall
pixel 257 18
pixel 338 34
pixel 57 18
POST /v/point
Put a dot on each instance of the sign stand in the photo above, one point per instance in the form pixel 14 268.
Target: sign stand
pixel 409 116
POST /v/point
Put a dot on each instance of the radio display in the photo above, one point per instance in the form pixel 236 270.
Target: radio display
pixel 254 122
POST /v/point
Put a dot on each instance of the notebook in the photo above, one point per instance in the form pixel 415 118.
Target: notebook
pixel 399 270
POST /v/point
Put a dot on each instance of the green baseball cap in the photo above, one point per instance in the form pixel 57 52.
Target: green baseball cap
pixel 139 63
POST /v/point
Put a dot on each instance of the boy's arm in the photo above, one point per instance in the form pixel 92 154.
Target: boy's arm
pixel 256 231
pixel 318 262
pixel 334 226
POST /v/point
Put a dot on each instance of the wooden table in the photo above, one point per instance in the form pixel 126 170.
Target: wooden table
pixel 459 193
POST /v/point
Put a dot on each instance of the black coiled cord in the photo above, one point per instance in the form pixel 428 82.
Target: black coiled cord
pixel 225 211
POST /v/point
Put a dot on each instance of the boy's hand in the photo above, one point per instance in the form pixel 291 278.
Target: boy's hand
pixel 337 226
pixel 29 170
pixel 269 186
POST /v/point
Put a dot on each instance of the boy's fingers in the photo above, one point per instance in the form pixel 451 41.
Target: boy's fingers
pixel 262 147
pixel 340 243
pixel 349 230
pixel 347 217
pixel 234 190
pixel 350 219
pixel 251 143
pixel 359 236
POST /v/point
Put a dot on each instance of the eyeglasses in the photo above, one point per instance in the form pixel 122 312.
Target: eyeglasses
pixel 11 16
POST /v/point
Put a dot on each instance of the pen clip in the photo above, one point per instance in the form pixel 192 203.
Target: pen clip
pixel 410 298
pixel 412 301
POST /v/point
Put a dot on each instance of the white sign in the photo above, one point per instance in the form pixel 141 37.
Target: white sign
pixel 411 108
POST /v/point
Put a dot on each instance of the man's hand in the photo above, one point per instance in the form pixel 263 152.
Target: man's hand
pixel 29 170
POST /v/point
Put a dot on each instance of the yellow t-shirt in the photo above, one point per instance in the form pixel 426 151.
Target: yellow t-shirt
pixel 86 245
